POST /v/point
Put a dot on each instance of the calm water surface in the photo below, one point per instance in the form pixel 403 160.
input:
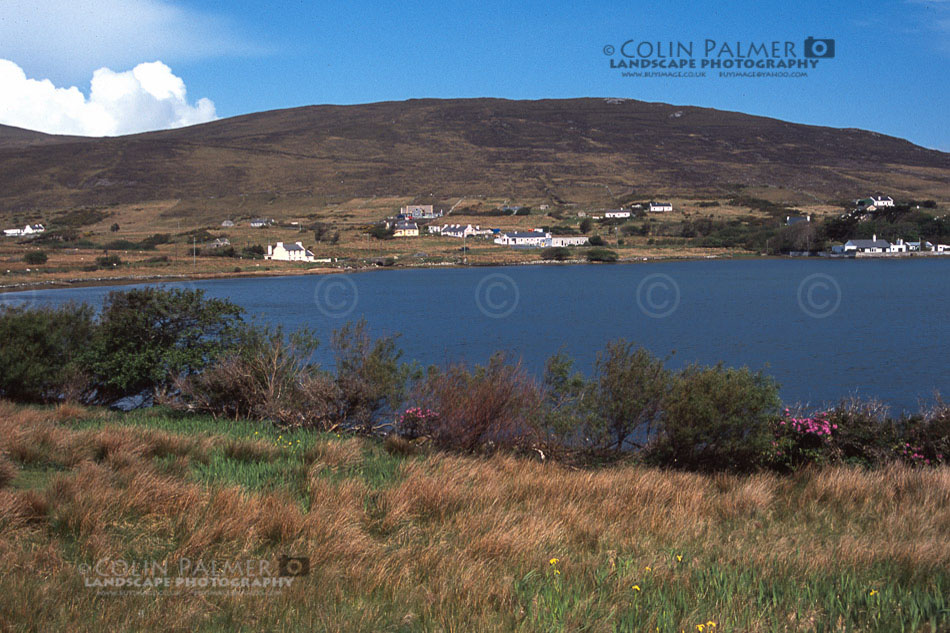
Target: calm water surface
pixel 823 328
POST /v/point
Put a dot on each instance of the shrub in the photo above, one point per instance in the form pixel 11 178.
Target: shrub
pixel 864 435
pixel 267 377
pixel 149 337
pixel 556 253
pixel 380 232
pixel 625 399
pixel 715 419
pixel 108 261
pixel 601 255
pixel 925 438
pixel 493 407
pixel 39 357
pixel 253 252
pixel 596 240
pixel 369 375
pixel 35 258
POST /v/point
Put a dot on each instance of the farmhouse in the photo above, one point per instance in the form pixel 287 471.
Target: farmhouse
pixel 419 211
pixel 534 239
pixel 568 240
pixel 259 223
pixel 617 213
pixel 406 229
pixel 882 201
pixel 460 231
pixel 873 245
pixel 289 253
pixel 660 207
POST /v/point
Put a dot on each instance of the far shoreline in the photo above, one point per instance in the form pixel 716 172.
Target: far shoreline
pixel 296 272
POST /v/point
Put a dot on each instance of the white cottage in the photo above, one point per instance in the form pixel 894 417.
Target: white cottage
pixel 289 253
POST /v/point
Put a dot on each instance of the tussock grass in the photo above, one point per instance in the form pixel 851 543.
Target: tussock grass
pixel 404 540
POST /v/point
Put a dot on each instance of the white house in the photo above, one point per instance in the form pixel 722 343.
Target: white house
pixel 660 207
pixel 867 246
pixel 258 223
pixel 460 231
pixel 29 229
pixel 419 211
pixel 227 224
pixel 289 253
pixel 524 238
pixel 617 213
pixel 568 240
pixel 898 247
pixel 915 247
pixel 942 248
pixel 882 201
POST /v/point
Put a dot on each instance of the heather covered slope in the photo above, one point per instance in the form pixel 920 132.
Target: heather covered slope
pixel 568 150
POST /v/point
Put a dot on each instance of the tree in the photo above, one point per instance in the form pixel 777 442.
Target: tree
pixel 108 261
pixel 586 224
pixel 35 258
pixel 147 338
pixel 596 240
pixel 114 228
pixel 381 232
pixel 626 396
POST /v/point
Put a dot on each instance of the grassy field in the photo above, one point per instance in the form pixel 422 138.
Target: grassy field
pixel 399 539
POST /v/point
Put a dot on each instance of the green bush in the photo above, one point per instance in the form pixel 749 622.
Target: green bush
pixel 716 419
pixel 601 255
pixel 35 258
pixel 556 253
pixel 596 240
pixel 39 356
pixel 108 261
pixel 149 337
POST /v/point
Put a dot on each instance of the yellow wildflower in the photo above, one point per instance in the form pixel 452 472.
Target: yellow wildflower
pixel 557 572
pixel 679 558
pixel 873 592
pixel 700 627
pixel 648 568
pixel 636 587
pixel 554 561
pixel 711 624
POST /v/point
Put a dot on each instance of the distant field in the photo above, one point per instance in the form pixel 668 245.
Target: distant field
pixel 400 539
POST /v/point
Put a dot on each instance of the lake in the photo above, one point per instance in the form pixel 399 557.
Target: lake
pixel 823 328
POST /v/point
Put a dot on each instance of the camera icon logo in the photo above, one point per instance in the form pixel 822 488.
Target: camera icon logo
pixel 819 48
pixel 294 566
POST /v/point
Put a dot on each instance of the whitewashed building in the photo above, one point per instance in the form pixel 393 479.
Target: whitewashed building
pixel 616 213
pixel 29 229
pixel 460 230
pixel 873 245
pixel 568 240
pixel 882 201
pixel 660 207
pixel 535 239
pixel 289 253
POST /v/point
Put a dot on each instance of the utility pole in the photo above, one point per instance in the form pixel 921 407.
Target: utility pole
pixel 194 252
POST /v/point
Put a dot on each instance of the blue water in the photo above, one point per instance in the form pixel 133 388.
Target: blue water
pixel 823 328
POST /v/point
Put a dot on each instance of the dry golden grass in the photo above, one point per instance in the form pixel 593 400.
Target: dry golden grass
pixel 440 542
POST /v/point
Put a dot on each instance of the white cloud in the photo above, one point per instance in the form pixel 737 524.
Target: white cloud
pixel 68 39
pixel 148 97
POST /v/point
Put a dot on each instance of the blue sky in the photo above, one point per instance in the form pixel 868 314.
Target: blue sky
pixel 890 73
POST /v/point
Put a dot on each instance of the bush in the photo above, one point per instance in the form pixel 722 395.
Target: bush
pixel 369 375
pixel 925 439
pixel 108 261
pixel 625 400
pixel 864 434
pixel 267 377
pixel 556 253
pixel 601 255
pixel 491 408
pixel 39 357
pixel 35 258
pixel 253 252
pixel 716 419
pixel 148 338
pixel 596 240
pixel 380 232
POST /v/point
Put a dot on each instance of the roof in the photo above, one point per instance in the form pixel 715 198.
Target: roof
pixel 869 243
pixel 293 247
pixel 526 234
pixel 406 225
pixel 795 219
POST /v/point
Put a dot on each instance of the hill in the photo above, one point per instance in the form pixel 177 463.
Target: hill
pixel 586 151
